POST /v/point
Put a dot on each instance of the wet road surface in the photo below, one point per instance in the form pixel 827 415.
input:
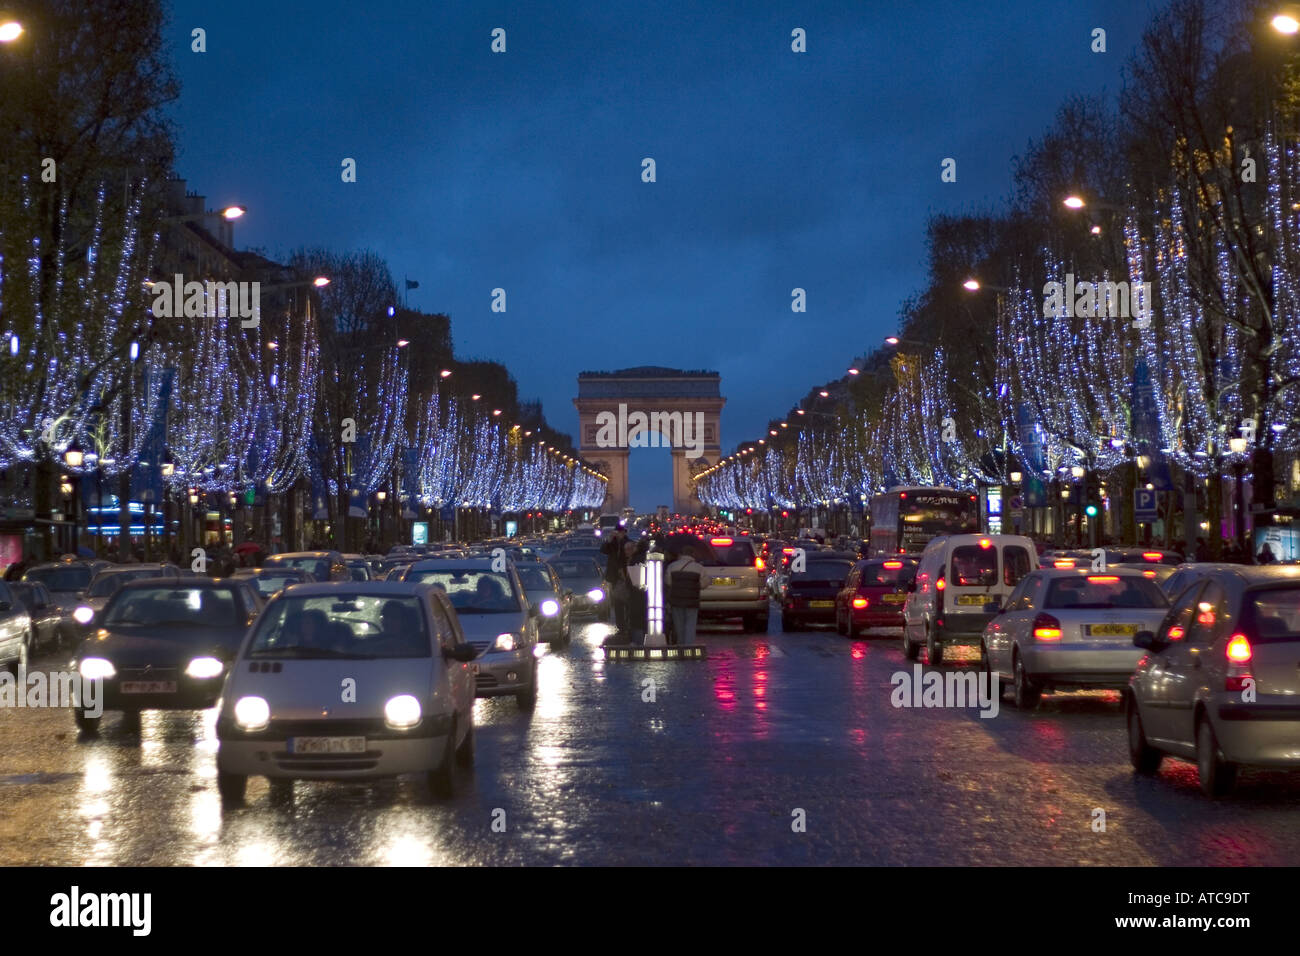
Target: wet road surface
pixel 732 754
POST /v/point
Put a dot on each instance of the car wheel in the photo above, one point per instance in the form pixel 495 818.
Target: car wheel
pixel 281 791
pixel 1146 759
pixel 85 723
pixel 527 699
pixel 758 623
pixel 1027 692
pixel 1218 776
pixel 933 649
pixel 910 651
pixel 231 787
pixel 465 752
pixel 442 779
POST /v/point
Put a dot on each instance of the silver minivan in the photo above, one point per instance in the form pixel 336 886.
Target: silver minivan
pixel 961 583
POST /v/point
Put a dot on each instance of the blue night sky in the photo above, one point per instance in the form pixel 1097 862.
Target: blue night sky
pixel 523 170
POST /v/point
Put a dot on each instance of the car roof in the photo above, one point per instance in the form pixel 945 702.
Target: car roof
pixel 172 581
pixel 1052 574
pixel 450 564
pixel 300 554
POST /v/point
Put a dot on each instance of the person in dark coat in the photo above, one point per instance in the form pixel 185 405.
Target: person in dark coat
pixel 682 580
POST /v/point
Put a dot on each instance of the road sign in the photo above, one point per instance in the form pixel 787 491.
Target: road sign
pixel 1146 506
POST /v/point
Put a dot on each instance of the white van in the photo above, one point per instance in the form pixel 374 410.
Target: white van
pixel 961 583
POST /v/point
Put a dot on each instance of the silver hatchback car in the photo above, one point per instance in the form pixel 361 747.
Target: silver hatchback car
pixel 351 680
pixel 1068 627
pixel 1220 682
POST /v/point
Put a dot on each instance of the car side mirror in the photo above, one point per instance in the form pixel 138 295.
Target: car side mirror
pixel 1149 641
pixel 461 652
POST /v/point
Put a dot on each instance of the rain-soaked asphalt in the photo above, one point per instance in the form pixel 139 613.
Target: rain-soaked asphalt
pixel 713 771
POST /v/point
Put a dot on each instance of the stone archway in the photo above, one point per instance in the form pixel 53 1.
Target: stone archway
pixel 649 407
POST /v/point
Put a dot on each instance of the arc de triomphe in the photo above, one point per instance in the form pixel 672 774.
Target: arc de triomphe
pixel 650 407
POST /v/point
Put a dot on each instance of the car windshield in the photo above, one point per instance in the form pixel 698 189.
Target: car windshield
pixel 576 569
pixel 319 568
pixel 473 591
pixel 534 577
pixel 823 572
pixel 76 578
pixel 106 585
pixel 1104 591
pixel 887 573
pixel 174 606
pixel 342 625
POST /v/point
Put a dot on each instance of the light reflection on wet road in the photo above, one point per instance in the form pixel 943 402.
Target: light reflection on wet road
pixel 712 771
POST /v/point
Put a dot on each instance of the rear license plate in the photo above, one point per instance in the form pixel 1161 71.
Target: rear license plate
pixel 1112 630
pixel 894 598
pixel 327 745
pixel 821 603
pixel 148 687
pixel 726 582
pixel 966 600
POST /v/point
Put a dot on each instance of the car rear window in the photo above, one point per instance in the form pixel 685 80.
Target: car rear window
pixel 1275 613
pixel 878 573
pixel 1104 591
pixel 823 572
pixel 576 569
pixel 974 567
pixel 534 577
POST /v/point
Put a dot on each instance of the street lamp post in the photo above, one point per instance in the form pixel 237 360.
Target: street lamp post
pixel 74 457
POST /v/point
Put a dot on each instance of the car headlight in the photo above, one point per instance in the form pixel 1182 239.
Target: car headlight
pixel 402 712
pixel 550 608
pixel 83 614
pixel 596 594
pixel 204 667
pixel 96 668
pixel 252 713
pixel 504 642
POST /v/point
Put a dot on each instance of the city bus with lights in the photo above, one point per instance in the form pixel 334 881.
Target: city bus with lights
pixel 904 519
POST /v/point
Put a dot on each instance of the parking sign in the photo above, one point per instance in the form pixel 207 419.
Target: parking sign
pixel 1145 505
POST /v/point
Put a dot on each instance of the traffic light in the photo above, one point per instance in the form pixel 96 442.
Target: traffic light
pixel 1091 510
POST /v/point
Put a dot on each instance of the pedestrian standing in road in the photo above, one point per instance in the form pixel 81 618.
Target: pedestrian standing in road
pixel 634 559
pixel 683 579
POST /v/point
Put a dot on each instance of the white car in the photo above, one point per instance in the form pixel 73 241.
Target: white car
pixel 349 680
pixel 1070 627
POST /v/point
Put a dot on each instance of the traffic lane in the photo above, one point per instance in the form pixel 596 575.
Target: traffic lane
pixel 713 766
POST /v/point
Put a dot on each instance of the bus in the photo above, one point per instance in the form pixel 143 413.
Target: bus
pixel 903 520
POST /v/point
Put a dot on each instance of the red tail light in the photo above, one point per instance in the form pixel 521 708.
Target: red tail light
pixel 758 563
pixel 1047 628
pixel 985 543
pixel 1238 650
pixel 860 602
pixel 940 584
pixel 722 541
pixel 1107 579
pixel 1176 633
pixel 1062 564
pixel 893 564
pixel 1151 555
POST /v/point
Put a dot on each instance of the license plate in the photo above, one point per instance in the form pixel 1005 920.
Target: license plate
pixel 972 599
pixel 327 745
pixel 147 687
pixel 821 603
pixel 726 582
pixel 894 598
pixel 1112 630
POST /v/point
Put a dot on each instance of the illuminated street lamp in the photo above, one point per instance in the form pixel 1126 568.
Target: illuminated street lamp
pixel 10 30
pixel 1282 23
pixel 73 456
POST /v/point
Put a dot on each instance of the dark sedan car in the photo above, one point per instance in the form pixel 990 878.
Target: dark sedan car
pixel 164 645
pixel 584 578
pixel 810 594
pixel 874 594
